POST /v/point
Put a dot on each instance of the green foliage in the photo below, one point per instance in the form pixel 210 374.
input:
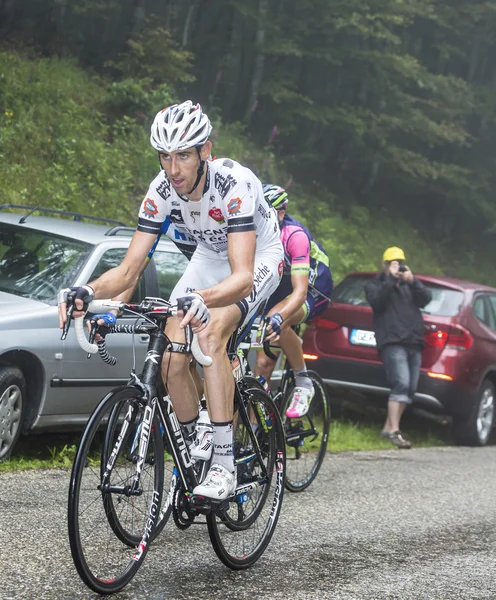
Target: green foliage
pixel 58 147
pixel 154 54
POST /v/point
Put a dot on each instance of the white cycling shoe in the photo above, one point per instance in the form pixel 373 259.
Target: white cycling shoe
pixel 300 402
pixel 219 484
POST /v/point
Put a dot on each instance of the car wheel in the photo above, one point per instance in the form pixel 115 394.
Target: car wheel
pixel 476 429
pixel 12 401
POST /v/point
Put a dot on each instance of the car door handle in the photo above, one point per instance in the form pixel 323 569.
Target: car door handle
pixel 144 338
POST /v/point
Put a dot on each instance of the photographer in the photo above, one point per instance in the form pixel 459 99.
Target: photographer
pixel 396 298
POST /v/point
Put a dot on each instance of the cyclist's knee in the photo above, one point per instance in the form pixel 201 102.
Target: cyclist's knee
pixel 214 338
pixel 175 364
pixel 264 362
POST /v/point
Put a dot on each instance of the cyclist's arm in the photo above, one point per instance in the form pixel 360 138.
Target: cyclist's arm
pixel 297 247
pixel 241 255
pixel 297 297
pixel 120 281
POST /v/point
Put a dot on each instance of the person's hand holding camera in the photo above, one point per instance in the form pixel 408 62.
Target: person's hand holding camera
pixel 405 273
pixel 394 268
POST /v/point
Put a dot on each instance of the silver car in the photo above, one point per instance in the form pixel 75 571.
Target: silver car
pixel 46 383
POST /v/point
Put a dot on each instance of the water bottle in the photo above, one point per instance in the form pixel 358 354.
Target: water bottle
pixel 264 383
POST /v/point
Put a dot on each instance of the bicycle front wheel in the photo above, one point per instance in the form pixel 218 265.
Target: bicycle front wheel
pixel 118 513
pixel 241 529
pixel 306 437
pixel 112 512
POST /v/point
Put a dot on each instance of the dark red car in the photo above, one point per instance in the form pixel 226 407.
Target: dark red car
pixel 458 375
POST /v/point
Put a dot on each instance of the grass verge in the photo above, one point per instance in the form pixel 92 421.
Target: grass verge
pixel 349 432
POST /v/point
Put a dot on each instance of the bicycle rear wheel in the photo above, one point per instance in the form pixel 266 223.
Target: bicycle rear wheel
pixel 111 520
pixel 241 529
pixel 306 437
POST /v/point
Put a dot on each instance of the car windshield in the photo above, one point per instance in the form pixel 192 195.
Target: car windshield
pixel 35 264
pixel 445 302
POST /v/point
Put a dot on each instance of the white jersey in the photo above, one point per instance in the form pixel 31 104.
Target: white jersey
pixel 232 201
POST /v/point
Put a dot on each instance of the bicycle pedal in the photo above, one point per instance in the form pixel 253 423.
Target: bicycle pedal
pixel 204 505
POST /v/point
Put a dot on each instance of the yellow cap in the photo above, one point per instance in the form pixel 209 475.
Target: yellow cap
pixel 393 253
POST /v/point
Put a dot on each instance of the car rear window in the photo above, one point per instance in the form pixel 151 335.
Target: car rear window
pixel 35 264
pixel 445 302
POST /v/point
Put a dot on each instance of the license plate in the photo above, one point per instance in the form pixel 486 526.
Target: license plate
pixel 361 337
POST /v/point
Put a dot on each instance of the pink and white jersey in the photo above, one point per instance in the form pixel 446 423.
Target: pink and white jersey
pixel 232 201
pixel 296 250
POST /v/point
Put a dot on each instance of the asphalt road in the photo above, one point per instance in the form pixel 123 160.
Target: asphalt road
pixel 393 525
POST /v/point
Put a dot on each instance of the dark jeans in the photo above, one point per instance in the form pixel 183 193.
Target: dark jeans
pixel 402 364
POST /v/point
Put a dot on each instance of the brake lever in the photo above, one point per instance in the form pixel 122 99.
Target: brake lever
pixel 91 337
pixel 266 321
pixel 67 324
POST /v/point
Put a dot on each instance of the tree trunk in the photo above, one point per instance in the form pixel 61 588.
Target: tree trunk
pixel 256 80
pixel 139 16
pixel 188 21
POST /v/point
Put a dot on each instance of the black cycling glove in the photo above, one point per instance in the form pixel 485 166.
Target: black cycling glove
pixel 84 293
pixel 275 321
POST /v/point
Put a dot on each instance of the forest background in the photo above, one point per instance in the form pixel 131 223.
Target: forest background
pixel 379 116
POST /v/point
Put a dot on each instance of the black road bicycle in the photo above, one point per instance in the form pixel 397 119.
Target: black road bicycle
pixel 306 437
pixel 133 441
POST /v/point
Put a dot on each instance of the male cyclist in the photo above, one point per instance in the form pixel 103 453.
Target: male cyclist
pixel 303 293
pixel 219 205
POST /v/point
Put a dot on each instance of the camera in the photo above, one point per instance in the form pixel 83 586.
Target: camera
pixel 402 268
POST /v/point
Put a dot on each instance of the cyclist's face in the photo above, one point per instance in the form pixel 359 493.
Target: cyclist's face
pixel 182 167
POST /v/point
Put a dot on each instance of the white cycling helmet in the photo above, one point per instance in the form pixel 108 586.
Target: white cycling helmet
pixel 179 127
pixel 276 196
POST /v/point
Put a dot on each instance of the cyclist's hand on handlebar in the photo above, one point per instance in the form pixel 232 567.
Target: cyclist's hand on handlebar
pixel 79 297
pixel 192 309
pixel 101 322
pixel 273 330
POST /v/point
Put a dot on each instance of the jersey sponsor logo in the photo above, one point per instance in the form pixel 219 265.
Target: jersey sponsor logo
pixel 194 214
pixel 212 199
pixel 224 184
pixel 178 235
pixel 164 189
pixel 150 208
pixel 261 274
pixel 216 215
pixel 265 213
pixel 228 163
pixel 234 206
pixel 176 216
pixel 216 237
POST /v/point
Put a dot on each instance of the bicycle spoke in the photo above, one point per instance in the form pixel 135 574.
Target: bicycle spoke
pixel 242 528
pixel 111 526
pixel 306 438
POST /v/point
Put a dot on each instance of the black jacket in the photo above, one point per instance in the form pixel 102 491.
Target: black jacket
pixel 396 306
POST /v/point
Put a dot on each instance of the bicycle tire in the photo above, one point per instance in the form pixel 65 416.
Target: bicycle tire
pixel 103 553
pixel 241 529
pixel 306 437
pixel 113 515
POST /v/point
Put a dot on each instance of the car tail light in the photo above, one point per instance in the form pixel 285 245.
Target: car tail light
pixel 322 323
pixel 436 338
pixel 459 338
pixel 442 376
